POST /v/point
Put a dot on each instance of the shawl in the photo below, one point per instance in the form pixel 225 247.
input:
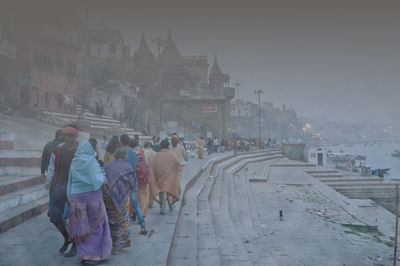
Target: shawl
pixel 164 174
pixel 121 180
pixel 85 173
pixel 132 158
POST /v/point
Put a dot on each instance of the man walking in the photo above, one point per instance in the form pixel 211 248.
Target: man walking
pixel 57 178
pixel 132 159
pixel 164 169
pixel 180 154
pixel 48 149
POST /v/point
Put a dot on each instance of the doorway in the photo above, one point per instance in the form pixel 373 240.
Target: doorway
pixel 320 159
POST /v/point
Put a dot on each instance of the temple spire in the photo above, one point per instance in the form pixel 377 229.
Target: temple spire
pixel 143 53
pixel 217 78
pixel 170 56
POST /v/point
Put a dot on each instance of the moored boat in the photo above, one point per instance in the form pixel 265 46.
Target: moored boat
pixel 396 153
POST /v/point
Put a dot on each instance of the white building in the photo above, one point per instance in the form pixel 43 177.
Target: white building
pixel 317 156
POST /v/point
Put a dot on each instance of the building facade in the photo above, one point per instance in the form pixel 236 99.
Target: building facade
pixel 275 123
pixel 8 48
pixel 181 91
pixel 46 41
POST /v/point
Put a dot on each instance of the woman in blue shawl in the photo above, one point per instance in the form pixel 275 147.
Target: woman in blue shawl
pixel 88 222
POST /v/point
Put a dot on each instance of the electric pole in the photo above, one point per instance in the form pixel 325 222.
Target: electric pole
pixel 259 92
pixel 236 102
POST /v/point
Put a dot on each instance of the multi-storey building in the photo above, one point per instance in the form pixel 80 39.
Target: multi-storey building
pixel 46 41
pixel 181 91
pixel 8 73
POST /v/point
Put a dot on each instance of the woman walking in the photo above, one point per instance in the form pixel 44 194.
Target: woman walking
pixel 121 181
pixel 88 221
pixel 110 149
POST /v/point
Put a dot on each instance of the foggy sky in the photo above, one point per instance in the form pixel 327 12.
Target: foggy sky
pixel 339 59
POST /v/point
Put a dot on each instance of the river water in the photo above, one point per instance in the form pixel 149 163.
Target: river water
pixel 378 155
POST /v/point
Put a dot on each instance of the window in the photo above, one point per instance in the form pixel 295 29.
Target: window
pixel 71 69
pixel 113 48
pixel 43 62
pixel 88 52
pixel 60 100
pixel 35 97
pixel 59 62
pixel 46 100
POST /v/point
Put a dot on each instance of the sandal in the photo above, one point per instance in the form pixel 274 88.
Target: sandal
pixel 71 252
pixel 64 246
pixel 117 252
pixel 143 231
pixel 89 262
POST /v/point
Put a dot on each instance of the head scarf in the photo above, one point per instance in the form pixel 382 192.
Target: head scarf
pixel 70 130
pixel 85 173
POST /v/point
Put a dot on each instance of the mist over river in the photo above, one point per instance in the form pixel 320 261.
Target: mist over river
pixel 378 155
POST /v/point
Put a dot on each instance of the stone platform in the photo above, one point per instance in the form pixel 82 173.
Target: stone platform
pixel 224 219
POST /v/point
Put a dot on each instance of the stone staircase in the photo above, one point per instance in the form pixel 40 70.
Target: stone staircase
pixel 216 205
pixel 355 186
pixel 97 124
pixel 22 192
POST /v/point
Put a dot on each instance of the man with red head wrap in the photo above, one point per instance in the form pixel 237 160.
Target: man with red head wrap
pixel 57 178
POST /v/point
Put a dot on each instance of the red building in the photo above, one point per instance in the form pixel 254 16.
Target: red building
pixel 48 41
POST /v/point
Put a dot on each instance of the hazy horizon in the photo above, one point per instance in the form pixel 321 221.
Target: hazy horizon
pixel 339 59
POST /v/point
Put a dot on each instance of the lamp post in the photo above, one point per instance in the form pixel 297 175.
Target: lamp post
pixel 259 92
pixel 236 102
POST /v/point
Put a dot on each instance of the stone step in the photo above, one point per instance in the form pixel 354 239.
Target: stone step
pixel 183 250
pixel 15 216
pixel 9 184
pixel 362 185
pixel 194 240
pixel 21 197
pixel 376 195
pixel 207 244
pixel 97 123
pixel 20 154
pixel 224 213
pixel 18 171
pixel 87 115
pixel 243 212
pixel 331 180
pixel 322 172
pixel 231 248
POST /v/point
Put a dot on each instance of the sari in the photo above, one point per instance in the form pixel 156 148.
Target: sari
pixel 88 222
pixel 121 180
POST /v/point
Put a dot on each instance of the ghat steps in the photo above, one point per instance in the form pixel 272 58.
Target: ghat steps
pixel 22 192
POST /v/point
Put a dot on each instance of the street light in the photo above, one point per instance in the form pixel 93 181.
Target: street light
pixel 259 92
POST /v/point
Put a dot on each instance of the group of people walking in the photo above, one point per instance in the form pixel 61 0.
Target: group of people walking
pixel 215 145
pixel 91 199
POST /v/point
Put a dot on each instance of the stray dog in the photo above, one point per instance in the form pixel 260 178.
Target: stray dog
pixel 281 215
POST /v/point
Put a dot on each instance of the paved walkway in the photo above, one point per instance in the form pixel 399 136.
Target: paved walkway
pixel 320 226
pixel 36 242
